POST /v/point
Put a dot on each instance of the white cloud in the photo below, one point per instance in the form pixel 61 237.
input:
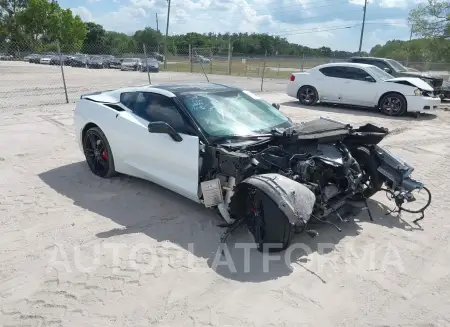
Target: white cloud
pixel 83 12
pixel 92 1
pixel 298 21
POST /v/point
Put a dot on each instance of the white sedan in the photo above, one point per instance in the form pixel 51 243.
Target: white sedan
pixel 362 85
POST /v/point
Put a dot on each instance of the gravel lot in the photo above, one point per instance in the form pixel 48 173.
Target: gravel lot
pixel 76 250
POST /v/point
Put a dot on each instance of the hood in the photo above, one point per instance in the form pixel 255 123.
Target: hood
pixel 419 74
pixel 413 81
pixel 129 63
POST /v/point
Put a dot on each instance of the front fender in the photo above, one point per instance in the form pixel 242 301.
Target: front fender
pixel 295 200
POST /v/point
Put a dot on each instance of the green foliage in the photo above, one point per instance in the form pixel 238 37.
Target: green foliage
pixel 418 50
pixel 431 19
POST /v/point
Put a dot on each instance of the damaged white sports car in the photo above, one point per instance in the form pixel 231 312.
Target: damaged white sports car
pixel 362 85
pixel 228 149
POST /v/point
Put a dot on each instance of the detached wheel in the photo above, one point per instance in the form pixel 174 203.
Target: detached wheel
pixel 393 104
pixel 307 95
pixel 369 166
pixel 98 153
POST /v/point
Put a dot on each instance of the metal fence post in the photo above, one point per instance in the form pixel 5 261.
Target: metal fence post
pixel 210 60
pixel 264 68
pixel 190 58
pixel 146 63
pixel 229 56
pixel 62 71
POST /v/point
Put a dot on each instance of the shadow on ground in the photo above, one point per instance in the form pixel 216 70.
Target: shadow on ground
pixel 357 111
pixel 143 207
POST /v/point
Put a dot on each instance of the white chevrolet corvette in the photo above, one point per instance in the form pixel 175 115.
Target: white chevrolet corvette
pixel 229 149
pixel 362 85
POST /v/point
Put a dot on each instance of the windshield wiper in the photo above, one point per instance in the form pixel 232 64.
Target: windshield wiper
pixel 239 137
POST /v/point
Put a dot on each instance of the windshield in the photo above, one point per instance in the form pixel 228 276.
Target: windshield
pixel 232 113
pixel 379 73
pixel 129 60
pixel 396 65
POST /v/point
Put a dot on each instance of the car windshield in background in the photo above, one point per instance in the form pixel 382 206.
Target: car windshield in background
pixel 129 60
pixel 396 65
pixel 232 113
pixel 379 73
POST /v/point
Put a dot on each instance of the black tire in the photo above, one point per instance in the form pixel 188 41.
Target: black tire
pixel 393 104
pixel 98 154
pixel 369 165
pixel 307 95
pixel 269 226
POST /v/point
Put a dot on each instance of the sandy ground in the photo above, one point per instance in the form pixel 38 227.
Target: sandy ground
pixel 77 250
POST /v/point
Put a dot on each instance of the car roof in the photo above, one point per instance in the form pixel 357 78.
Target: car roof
pixel 181 88
pixel 345 64
pixel 169 90
pixel 369 58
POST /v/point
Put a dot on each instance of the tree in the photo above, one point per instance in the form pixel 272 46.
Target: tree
pixel 95 42
pixel 431 19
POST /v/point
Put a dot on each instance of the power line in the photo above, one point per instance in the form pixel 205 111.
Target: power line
pixel 229 17
pixel 317 30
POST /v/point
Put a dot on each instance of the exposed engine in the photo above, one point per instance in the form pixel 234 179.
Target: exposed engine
pixel 311 170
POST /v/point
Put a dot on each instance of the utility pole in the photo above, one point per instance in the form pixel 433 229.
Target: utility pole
pixel 362 27
pixel 157 27
pixel 167 33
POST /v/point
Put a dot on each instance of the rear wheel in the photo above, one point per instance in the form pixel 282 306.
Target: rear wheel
pixel 307 95
pixel 393 104
pixel 98 153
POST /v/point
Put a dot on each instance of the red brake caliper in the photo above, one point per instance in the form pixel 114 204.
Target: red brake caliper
pixel 105 155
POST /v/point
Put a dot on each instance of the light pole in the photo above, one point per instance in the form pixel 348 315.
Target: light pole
pixel 167 33
pixel 362 27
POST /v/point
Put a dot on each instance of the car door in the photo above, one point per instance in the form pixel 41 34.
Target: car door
pixel 329 84
pixel 156 156
pixel 358 88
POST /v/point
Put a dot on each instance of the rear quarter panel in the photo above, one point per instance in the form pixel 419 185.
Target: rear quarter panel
pixel 301 78
pixel 97 113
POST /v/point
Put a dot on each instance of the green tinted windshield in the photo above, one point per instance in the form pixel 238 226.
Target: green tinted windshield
pixel 233 113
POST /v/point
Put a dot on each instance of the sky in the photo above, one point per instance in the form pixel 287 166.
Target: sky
pixel 313 23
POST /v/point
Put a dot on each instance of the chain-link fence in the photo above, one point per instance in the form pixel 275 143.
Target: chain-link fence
pixel 33 74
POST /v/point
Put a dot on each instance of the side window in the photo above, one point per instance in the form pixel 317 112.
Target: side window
pixel 356 73
pixel 379 64
pixel 128 99
pixel 155 107
pixel 336 71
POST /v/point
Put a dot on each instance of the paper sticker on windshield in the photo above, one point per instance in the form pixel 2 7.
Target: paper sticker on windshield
pixel 253 96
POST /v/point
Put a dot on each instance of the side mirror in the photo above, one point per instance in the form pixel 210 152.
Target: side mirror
pixel 276 106
pixel 387 70
pixel 164 128
pixel 369 79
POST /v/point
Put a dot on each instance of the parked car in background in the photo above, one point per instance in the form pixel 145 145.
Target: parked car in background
pixel 200 59
pixel 78 61
pixel 107 61
pixel 33 58
pixel 396 69
pixel 45 59
pixel 96 62
pixel 362 85
pixel 131 64
pixel 151 65
pixel 4 56
pixel 157 56
pixel 65 60
pixel 115 63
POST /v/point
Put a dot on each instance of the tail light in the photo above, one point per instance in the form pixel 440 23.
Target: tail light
pixel 292 78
